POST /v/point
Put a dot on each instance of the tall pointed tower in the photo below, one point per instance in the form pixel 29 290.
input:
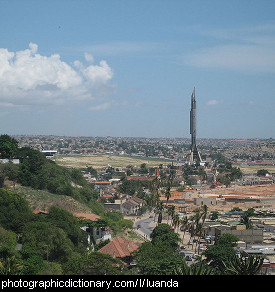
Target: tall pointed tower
pixel 195 156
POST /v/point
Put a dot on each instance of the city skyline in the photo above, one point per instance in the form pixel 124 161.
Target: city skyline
pixel 114 68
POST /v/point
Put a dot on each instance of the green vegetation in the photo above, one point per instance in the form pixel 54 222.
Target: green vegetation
pixel 54 243
pixel 262 172
pixel 244 265
pixel 218 255
pixel 228 173
pixel 49 243
pixel 161 255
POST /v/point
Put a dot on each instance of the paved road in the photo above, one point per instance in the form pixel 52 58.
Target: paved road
pixel 145 226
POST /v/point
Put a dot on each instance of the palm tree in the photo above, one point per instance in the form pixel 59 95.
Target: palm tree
pixel 9 266
pixel 203 215
pixel 159 211
pixel 244 265
pixel 171 212
pixel 184 222
pixel 169 180
pixel 176 221
pixel 155 190
pixel 195 269
pixel 246 221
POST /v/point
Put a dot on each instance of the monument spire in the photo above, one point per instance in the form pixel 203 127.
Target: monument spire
pixel 194 155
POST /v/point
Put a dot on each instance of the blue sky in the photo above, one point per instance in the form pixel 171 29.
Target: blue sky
pixel 128 68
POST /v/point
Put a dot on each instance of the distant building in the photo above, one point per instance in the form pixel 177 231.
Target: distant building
pixel 49 153
pixel 247 235
pixel 102 184
pixel 205 201
pixel 14 161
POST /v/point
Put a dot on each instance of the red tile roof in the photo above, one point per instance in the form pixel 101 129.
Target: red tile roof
pixel 119 248
pixel 105 182
pixel 38 211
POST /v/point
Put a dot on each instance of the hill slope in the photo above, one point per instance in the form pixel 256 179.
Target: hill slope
pixel 41 199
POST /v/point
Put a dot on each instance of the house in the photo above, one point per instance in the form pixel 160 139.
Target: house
pixel 121 249
pixel 132 206
pixel 39 211
pixel 102 184
pixel 97 230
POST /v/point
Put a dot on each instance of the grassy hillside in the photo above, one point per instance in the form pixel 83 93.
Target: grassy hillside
pixel 41 199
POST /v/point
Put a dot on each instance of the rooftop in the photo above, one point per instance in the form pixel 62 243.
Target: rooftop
pixel 119 248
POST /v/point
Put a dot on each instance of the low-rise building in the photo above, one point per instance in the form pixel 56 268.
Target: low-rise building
pixel 119 248
pixel 132 206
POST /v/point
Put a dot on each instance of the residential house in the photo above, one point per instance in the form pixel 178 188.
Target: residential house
pixel 97 230
pixel 121 249
pixel 132 206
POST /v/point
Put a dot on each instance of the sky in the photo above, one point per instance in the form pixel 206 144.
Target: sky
pixel 127 68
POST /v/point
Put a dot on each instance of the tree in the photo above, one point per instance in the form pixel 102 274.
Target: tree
pixel 219 254
pixel 93 264
pixel 200 268
pixel 14 211
pixel 262 172
pixel 67 222
pixel 176 221
pixel 184 224
pixel 8 147
pixel 47 240
pixel 159 211
pixel 244 265
pixel 228 239
pixel 157 259
pixel 171 212
pixel 164 233
pixel 214 215
pixel 10 266
pixel 245 218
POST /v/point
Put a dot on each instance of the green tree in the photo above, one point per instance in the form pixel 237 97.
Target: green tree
pixel 245 218
pixel 262 172
pixel 10 266
pixel 67 222
pixel 214 215
pixel 219 254
pixel 8 147
pixel 157 258
pixel 198 269
pixel 47 240
pixel 93 264
pixel 14 211
pixel 7 243
pixel 244 265
pixel 164 233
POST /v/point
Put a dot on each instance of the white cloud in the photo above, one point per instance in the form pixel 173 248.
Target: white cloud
pixel 28 78
pixel 118 48
pixel 100 107
pixel 242 58
pixel 247 49
pixel 214 102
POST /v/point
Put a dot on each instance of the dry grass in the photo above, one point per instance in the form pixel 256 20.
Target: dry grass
pixel 100 161
pixel 40 199
pixel 250 169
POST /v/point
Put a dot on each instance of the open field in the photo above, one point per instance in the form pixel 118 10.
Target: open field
pixel 250 169
pixel 99 161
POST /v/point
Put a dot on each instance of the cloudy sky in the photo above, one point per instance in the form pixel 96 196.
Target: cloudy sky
pixel 128 67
